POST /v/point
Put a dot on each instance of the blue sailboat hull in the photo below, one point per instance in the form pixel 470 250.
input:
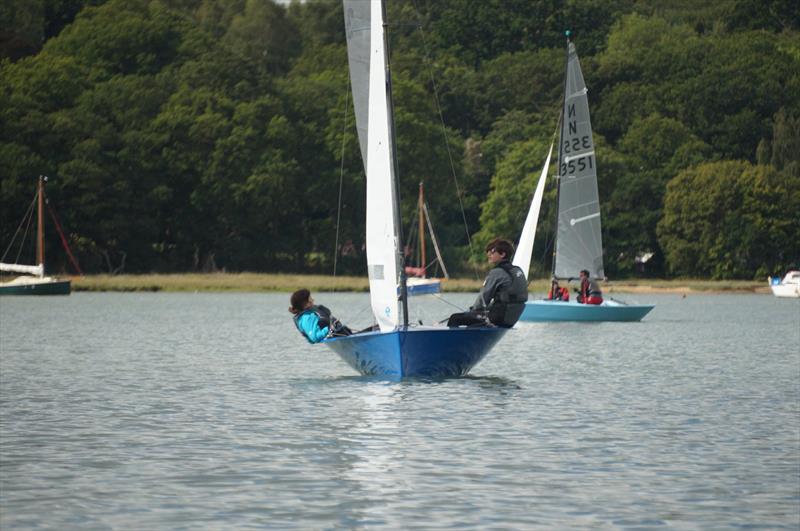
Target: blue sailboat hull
pixel 547 310
pixel 417 352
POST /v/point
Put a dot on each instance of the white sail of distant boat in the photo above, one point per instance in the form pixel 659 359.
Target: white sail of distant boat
pixel 579 243
pixel 524 251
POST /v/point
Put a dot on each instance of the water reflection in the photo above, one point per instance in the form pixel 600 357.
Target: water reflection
pixel 373 451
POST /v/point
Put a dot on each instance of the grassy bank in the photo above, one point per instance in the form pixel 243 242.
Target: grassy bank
pixel 263 282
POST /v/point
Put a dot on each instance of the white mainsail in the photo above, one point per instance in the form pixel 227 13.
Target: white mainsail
pixel 357 26
pixel 522 256
pixel 578 244
pixel 37 270
pixel 382 232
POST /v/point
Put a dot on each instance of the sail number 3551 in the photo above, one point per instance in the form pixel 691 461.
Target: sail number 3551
pixel 580 164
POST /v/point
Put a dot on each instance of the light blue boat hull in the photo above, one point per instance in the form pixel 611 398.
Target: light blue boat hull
pixel 546 310
pixel 417 352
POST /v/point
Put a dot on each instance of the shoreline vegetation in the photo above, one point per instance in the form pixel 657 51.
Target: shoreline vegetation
pixel 282 282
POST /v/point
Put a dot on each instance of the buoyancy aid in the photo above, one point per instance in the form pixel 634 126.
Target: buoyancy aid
pixel 590 293
pixel 508 304
pixel 560 294
pixel 322 313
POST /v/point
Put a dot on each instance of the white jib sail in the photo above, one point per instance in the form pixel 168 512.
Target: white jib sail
pixel 522 256
pixel 381 230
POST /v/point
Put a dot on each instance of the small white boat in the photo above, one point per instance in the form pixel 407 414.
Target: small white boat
pixel 788 287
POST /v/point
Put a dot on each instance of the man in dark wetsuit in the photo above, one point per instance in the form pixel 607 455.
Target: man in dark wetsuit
pixel 503 295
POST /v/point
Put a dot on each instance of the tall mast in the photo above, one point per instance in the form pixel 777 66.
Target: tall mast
pixel 396 173
pixel 40 225
pixel 560 152
pixel 421 209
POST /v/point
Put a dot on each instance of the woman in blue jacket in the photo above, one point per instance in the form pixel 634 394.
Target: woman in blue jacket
pixel 315 322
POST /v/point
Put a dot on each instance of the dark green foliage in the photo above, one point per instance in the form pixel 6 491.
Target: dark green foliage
pixel 208 134
pixel 731 220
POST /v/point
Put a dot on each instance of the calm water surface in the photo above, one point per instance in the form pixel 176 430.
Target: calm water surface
pixel 209 411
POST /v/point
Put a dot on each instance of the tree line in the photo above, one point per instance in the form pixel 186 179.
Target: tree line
pixel 185 135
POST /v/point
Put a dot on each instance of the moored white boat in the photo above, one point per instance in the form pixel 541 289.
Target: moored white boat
pixel 789 287
pixel 34 281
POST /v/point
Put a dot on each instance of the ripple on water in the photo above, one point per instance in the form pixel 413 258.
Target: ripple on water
pixel 187 411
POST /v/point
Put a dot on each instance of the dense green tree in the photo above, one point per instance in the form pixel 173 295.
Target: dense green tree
pixel 721 86
pixel 263 36
pixel 503 213
pixel 21 28
pixel 730 220
pixel 653 150
pixel 786 142
pixel 191 134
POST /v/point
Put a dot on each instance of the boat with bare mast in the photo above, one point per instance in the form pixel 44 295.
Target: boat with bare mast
pixel 33 280
pixel 419 283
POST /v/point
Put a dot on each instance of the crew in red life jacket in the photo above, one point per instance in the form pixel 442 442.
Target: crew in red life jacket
pixel 557 293
pixel 590 292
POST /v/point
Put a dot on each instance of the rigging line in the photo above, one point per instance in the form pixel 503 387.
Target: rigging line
pixel 438 296
pixel 28 216
pixel 446 140
pixel 341 178
pixel 361 312
pixel 433 237
pixel 28 230
pixel 64 242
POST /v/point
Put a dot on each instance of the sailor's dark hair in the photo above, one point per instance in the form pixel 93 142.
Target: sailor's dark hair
pixel 501 246
pixel 585 272
pixel 298 300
